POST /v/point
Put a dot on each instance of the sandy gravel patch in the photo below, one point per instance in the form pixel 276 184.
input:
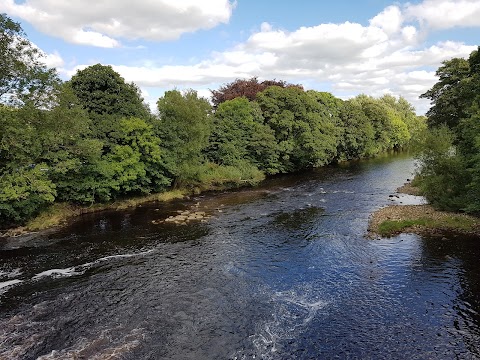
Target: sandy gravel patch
pixel 409 189
pixel 437 221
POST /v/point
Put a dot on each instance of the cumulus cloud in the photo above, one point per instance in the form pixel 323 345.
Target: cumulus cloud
pixel 53 60
pixel 385 56
pixel 105 23
pixel 389 20
pixel 445 14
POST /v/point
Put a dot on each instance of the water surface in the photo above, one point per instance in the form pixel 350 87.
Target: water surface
pixel 283 271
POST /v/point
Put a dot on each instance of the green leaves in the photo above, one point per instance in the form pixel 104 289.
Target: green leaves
pixel 23 193
pixel 94 140
pixel 239 134
pixel 23 76
pixel 102 91
pixel 304 126
pixel 184 125
pixel 450 161
pixel 450 95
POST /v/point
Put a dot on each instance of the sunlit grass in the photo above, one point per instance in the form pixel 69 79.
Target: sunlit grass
pixel 217 178
pixel 55 215
pixel 58 214
pixel 392 227
pixel 452 222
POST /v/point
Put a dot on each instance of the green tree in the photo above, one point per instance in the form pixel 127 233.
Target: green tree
pixel 24 185
pixel 444 177
pixel 140 167
pixel 305 133
pixel 239 134
pixel 58 138
pixel 450 95
pixel 107 98
pixel 24 192
pixel 357 139
pixel 184 125
pixel 388 117
pixel 133 166
pixel 453 181
pixel 23 76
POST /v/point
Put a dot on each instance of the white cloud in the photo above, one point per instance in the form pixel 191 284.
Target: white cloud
pixel 352 58
pixel 104 23
pixel 390 20
pixel 53 60
pixel 386 55
pixel 445 14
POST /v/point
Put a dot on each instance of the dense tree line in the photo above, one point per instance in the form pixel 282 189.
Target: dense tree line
pixel 93 139
pixel 450 157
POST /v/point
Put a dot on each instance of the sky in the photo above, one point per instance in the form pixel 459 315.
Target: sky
pixel 346 47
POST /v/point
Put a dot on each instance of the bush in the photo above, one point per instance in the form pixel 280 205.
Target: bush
pixel 23 193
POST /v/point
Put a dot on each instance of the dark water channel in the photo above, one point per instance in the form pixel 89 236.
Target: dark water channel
pixel 283 271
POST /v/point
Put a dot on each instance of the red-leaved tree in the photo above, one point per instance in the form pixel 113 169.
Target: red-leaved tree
pixel 248 88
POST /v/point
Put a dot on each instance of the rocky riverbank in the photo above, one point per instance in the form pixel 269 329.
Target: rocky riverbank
pixel 419 219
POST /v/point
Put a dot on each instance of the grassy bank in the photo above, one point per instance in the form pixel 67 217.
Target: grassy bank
pixel 215 178
pixel 419 219
pixel 59 214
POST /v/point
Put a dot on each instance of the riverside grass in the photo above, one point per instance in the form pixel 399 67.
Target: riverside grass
pixel 58 214
pixel 420 219
pixel 448 222
pixel 215 179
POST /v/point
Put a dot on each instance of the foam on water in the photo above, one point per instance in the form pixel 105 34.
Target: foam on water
pixel 80 269
pixel 105 346
pixel 11 274
pixel 20 337
pixel 6 284
pixel 61 273
pixel 292 312
pixel 57 273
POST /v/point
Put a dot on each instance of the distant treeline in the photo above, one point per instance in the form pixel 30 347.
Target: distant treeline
pixel 93 139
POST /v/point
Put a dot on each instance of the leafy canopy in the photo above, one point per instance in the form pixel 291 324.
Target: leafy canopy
pixel 23 76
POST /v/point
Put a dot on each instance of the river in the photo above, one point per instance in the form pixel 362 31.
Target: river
pixel 281 271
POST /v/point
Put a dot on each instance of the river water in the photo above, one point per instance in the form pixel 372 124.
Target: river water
pixel 282 271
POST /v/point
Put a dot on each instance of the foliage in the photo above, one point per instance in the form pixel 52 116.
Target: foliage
pixel 469 147
pixel 379 117
pixel 23 76
pixel 107 98
pixel 137 159
pixel 357 140
pixel 248 88
pixel 243 173
pixel 184 126
pixel 450 161
pixel 306 135
pixel 450 95
pixel 93 140
pixel 101 90
pixel 23 193
pixel 239 133
pixel 443 174
pixel 134 165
